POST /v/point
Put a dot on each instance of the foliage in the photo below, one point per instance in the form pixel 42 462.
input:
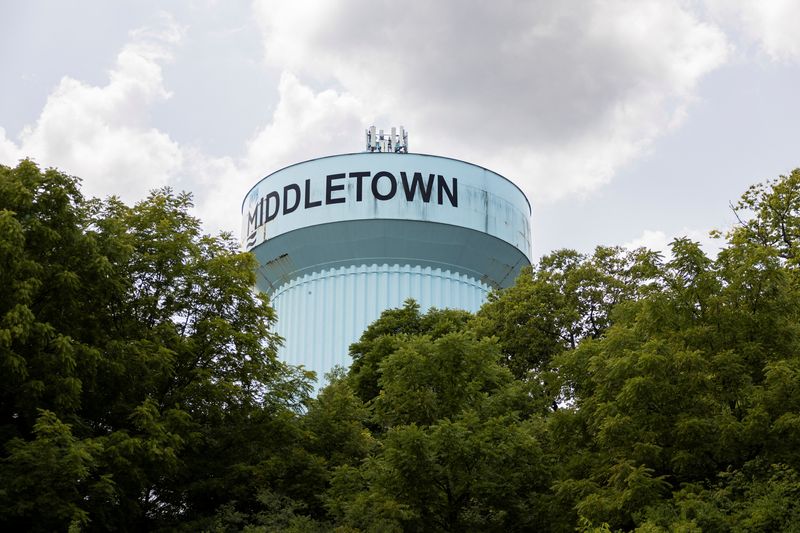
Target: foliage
pixel 774 206
pixel 568 298
pixel 138 362
pixel 385 335
pixel 616 391
pixel 453 456
pixel 687 384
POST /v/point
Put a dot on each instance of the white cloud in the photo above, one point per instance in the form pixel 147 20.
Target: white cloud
pixel 306 124
pixel 652 240
pixel 659 241
pixel 556 95
pixel 770 23
pixel 9 152
pixel 101 133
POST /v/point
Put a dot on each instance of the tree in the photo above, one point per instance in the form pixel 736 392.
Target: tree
pixel 383 337
pixel 607 392
pixel 459 443
pixel 138 360
pixel 686 385
pixel 567 298
pixel 774 206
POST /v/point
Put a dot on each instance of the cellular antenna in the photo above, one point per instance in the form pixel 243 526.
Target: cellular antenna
pixel 383 142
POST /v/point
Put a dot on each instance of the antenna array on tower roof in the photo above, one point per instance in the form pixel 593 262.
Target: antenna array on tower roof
pixel 387 142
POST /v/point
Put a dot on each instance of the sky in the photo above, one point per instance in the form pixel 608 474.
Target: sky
pixel 625 122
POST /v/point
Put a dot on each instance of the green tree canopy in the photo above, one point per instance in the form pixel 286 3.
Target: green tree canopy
pixel 612 391
pixel 141 382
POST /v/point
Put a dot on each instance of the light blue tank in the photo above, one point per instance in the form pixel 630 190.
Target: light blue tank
pixel 340 239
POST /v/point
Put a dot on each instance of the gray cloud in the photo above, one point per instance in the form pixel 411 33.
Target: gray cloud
pixel 556 95
pixel 542 90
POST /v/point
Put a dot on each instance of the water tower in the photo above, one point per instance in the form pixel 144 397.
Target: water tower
pixel 341 238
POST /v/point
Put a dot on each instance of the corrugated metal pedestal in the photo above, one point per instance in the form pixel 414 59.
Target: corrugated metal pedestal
pixel 323 312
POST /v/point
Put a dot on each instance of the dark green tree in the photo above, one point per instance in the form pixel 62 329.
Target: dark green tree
pixel 685 387
pixel 603 392
pixel 141 385
pixel 568 297
pixel 458 440
pixel 386 334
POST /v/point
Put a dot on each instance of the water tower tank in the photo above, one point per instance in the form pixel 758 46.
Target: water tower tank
pixel 341 238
